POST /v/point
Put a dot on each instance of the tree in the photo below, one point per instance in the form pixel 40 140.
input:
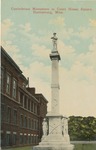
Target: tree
pixel 82 128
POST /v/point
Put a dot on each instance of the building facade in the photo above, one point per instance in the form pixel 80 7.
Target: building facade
pixel 22 110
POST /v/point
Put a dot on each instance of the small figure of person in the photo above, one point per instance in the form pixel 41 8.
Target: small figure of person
pixel 54 39
pixel 45 127
pixel 65 126
pixel 62 126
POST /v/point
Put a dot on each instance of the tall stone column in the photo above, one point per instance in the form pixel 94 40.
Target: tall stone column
pixel 55 126
pixel 54 116
pixel 55 57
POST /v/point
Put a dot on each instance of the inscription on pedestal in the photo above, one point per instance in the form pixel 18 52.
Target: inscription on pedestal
pixel 55 125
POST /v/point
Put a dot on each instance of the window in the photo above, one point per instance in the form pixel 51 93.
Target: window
pixel 2 139
pixel 8 139
pixel 29 123
pixel 29 139
pixel 14 138
pixel 25 122
pixel 28 104
pixel 15 116
pixel 36 109
pixel 21 98
pixel 25 102
pixel 34 138
pixel 21 120
pixel 8 84
pixel 14 88
pixel 35 124
pixel 32 124
pixel 31 106
pixel 2 112
pixel 37 139
pixel 8 114
pixel 25 139
pixel 2 78
pixel 21 138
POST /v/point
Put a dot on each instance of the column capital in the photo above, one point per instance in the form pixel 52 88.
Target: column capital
pixel 55 56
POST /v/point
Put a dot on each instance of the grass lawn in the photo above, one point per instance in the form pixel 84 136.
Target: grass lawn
pixel 77 147
pixel 85 146
pixel 20 148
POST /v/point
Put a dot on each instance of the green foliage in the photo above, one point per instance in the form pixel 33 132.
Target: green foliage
pixel 82 128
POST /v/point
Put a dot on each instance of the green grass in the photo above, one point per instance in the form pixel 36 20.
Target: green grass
pixel 77 147
pixel 20 148
pixel 85 146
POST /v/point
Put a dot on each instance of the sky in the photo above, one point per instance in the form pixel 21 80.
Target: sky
pixel 27 27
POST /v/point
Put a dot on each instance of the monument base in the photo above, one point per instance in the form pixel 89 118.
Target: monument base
pixel 57 139
pixel 54 147
pixel 54 142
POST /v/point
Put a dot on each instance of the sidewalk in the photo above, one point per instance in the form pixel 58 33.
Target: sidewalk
pixel 83 142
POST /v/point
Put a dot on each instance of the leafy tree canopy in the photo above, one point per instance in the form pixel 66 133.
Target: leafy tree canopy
pixel 82 128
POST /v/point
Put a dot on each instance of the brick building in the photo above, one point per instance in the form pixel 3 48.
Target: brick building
pixel 22 110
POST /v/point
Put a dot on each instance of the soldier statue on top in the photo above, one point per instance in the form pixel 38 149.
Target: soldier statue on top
pixel 54 39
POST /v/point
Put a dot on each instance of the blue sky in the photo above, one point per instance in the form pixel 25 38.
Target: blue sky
pixel 26 36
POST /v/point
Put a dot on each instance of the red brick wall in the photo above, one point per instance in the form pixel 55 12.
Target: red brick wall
pixel 8 101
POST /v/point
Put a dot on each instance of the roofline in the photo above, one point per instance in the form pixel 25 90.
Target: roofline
pixel 24 90
pixel 38 94
pixel 10 59
pixel 13 63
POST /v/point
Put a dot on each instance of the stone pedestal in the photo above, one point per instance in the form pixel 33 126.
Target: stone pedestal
pixel 56 138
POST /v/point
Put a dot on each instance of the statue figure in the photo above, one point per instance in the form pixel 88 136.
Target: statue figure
pixel 45 127
pixel 54 39
pixel 65 126
pixel 62 126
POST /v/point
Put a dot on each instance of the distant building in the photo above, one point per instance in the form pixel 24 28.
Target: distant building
pixel 22 110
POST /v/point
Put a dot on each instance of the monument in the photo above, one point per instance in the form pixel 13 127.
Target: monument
pixel 55 126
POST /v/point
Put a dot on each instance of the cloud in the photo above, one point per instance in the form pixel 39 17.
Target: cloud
pixel 26 27
pixel 40 51
pixel 78 84
pixel 42 37
pixel 86 33
pixel 80 72
pixel 92 22
pixel 65 50
pixel 77 90
pixel 13 51
pixel 92 46
pixel 39 77
pixel 66 33
pixel 59 21
pixel 6 26
pixel 89 59
pixel 77 98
